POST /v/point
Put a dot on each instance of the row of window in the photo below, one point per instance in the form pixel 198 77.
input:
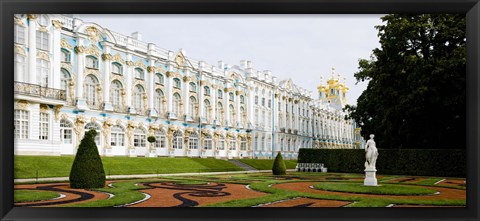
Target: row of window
pixel 42 39
pixel 117 138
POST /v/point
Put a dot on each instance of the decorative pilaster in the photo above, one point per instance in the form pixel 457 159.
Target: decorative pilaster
pixel 107 61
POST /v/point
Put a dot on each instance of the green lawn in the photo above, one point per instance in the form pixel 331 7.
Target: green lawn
pixel 59 166
pixel 32 195
pixel 267 164
pixel 387 189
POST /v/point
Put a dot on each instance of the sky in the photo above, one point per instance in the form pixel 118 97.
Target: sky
pixel 300 47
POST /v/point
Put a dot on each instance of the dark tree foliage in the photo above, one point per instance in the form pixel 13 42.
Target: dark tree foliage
pixel 279 167
pixel 416 95
pixel 87 169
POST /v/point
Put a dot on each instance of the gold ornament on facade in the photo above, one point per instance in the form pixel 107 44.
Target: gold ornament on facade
pixel 20 50
pixel 57 24
pixel 139 64
pixel 93 50
pixel 21 104
pixel 129 63
pixel 179 60
pixel 106 57
pixel 42 55
pixel 43 108
pixel 42 29
pixel 93 34
pixel 79 49
pixel 56 110
pixel 150 68
pixel 118 58
pixel 32 16
pixel 65 44
pixel 19 21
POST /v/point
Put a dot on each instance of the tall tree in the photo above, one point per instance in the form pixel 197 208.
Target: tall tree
pixel 416 92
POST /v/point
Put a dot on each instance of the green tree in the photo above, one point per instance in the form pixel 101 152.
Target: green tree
pixel 416 92
pixel 279 167
pixel 87 169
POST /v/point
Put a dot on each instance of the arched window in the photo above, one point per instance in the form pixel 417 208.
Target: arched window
pixel 90 90
pixel 160 141
pixel 139 138
pixel 176 104
pixel 263 102
pixel 262 122
pixel 91 62
pixel 206 91
pixel 43 40
pixel 220 94
pixel 233 143
pixel 232 113
pixel 206 109
pixel 207 142
pixel 221 143
pixel 64 79
pixel 43 69
pixel 138 98
pixel 242 99
pixel 256 99
pixel 193 141
pixel 96 127
pixel 21 121
pixel 158 102
pixel 219 112
pixel 257 118
pixel 269 104
pixel 269 143
pixel 65 55
pixel 230 96
pixel 117 68
pixel 178 140
pixel 43 20
pixel 243 143
pixel 177 83
pixel 116 95
pixel 20 34
pixel 159 79
pixel 139 74
pixel 192 107
pixel 193 87
pixel 20 67
pixel 243 115
pixel 117 136
pixel 66 131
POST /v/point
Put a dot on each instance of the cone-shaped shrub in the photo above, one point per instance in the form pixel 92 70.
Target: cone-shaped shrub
pixel 87 169
pixel 279 167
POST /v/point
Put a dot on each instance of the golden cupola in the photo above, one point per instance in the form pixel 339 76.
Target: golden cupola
pixel 334 91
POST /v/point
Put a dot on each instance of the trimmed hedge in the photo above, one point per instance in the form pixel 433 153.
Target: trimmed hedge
pixel 279 167
pixel 415 162
pixel 87 168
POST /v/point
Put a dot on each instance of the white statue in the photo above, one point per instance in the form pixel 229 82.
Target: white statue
pixel 371 153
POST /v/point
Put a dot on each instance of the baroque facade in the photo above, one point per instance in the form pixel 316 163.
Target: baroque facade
pixel 72 76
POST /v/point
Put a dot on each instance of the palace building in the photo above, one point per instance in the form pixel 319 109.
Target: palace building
pixel 72 76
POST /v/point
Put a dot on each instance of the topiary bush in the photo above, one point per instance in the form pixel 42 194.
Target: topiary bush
pixel 151 139
pixel 279 167
pixel 87 169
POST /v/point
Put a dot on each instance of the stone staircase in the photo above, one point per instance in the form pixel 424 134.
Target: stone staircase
pixel 242 165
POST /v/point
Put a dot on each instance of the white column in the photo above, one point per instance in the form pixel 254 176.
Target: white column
pixel 32 51
pixel 151 88
pixel 129 85
pixel 250 103
pixel 213 101
pixel 55 78
pixel 107 64
pixel 200 97
pixel 186 94
pixel 169 91
pixel 81 102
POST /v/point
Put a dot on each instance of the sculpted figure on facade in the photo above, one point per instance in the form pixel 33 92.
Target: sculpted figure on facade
pixel 107 126
pixel 130 128
pixel 79 127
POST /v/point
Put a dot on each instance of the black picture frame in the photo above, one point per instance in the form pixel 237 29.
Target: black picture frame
pixel 10 7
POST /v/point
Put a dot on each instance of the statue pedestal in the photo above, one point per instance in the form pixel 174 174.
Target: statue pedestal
pixel 370 177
